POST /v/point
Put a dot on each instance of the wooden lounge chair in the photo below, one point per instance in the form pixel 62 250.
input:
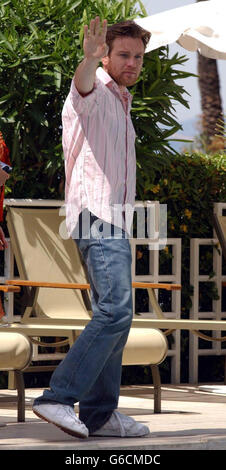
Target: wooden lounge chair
pixel 56 296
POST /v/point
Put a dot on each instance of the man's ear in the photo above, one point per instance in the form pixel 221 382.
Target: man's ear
pixel 105 60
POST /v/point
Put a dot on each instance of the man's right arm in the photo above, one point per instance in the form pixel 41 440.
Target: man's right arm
pixel 85 75
pixel 95 48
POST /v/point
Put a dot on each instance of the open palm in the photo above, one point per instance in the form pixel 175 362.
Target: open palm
pixel 95 39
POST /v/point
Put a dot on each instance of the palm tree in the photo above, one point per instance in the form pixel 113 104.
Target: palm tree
pixel 212 110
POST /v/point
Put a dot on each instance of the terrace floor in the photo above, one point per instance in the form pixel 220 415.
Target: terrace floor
pixel 190 420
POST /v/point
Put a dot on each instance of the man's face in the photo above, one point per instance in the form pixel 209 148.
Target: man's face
pixel 125 60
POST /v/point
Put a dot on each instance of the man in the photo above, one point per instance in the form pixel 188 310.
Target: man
pixel 100 163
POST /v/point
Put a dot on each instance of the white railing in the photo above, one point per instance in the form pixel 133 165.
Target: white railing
pixel 216 348
pixel 156 277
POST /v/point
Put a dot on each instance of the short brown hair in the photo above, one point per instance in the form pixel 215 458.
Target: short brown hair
pixel 126 28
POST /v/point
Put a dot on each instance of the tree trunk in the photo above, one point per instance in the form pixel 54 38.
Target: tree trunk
pixel 212 110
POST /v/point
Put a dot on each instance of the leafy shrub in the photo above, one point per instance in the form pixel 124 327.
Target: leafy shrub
pixel 40 47
pixel 189 187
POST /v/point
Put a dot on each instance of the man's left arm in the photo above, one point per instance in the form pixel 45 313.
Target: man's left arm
pixel 3 176
pixel 3 242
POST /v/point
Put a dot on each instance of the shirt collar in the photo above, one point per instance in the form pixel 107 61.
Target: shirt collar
pixel 105 78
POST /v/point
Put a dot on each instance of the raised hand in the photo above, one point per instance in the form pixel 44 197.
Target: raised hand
pixel 94 45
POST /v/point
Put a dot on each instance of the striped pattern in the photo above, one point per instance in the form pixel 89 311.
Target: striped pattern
pixel 99 151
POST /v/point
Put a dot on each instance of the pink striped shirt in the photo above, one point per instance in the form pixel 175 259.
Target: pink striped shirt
pixel 99 152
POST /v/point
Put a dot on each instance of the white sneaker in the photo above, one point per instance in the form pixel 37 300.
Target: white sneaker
pixel 120 425
pixel 63 416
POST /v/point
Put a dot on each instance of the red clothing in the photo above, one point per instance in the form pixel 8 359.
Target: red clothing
pixel 4 157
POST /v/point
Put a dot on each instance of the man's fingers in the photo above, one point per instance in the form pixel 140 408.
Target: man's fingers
pixel 86 31
pixel 92 27
pixel 104 28
pixel 97 25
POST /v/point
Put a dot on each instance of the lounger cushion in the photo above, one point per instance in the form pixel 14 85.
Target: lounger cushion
pixel 145 346
pixel 15 351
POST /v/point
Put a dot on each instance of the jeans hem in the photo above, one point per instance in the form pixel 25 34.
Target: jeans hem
pixel 94 428
pixel 48 401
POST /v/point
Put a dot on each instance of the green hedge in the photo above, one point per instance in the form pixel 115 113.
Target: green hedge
pixel 189 185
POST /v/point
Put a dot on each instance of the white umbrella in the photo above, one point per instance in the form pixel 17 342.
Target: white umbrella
pixel 199 26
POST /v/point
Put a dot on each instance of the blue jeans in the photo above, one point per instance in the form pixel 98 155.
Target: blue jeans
pixel 90 373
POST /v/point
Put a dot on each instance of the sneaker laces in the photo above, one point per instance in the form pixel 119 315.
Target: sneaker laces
pixel 118 417
pixel 70 411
